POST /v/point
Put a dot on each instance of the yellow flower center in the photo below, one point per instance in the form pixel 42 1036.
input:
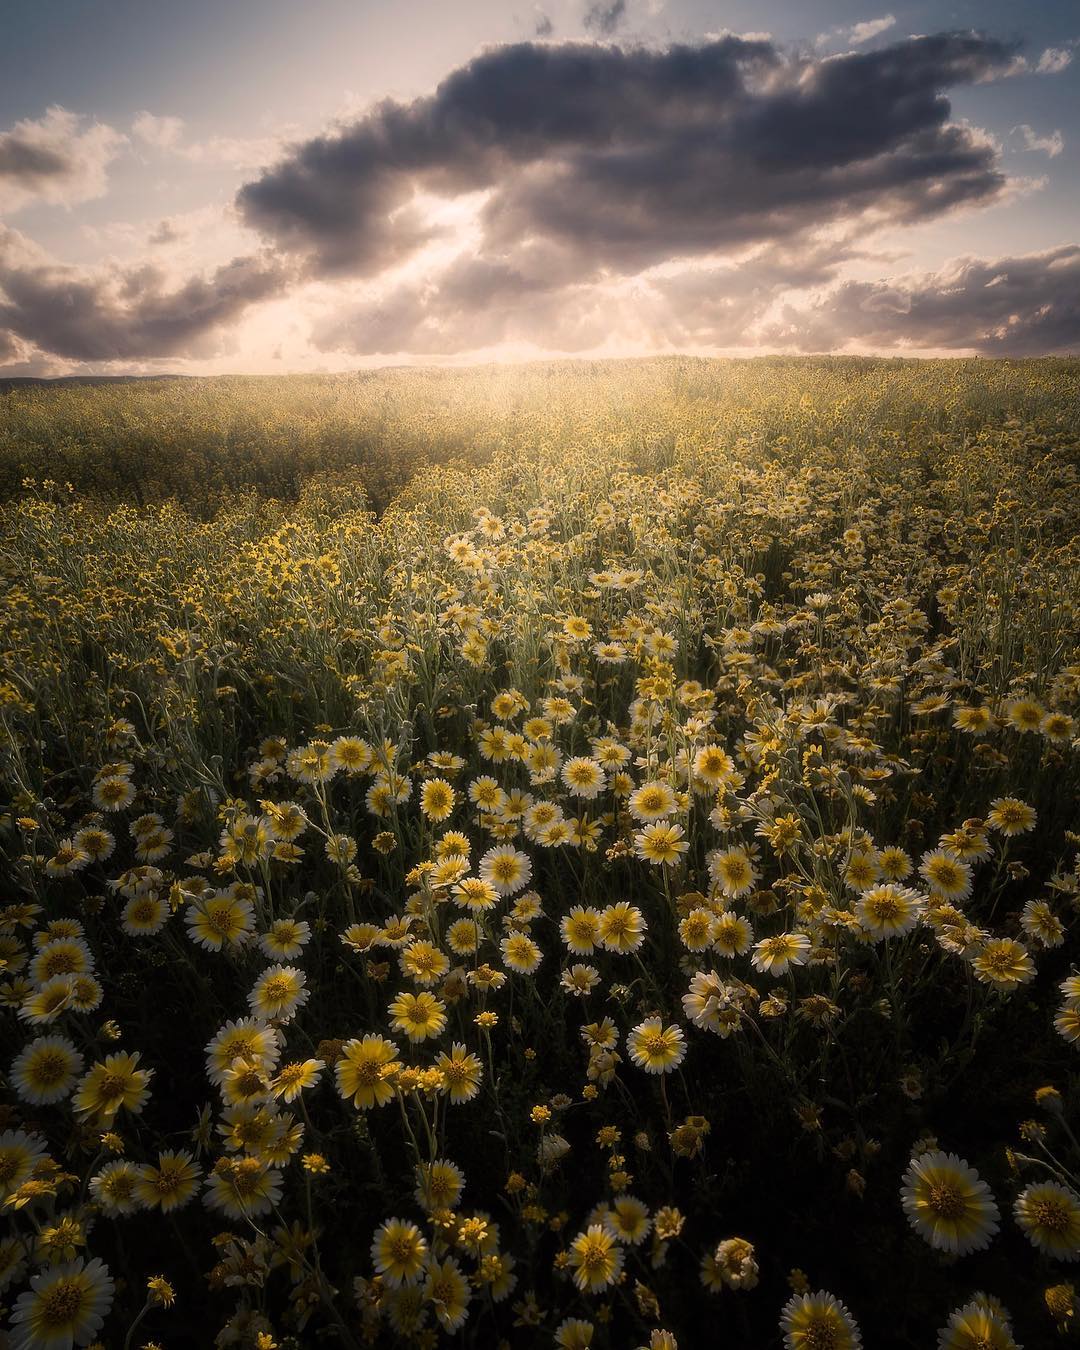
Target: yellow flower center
pixel 947 1199
pixel 61 1304
pixel 1051 1214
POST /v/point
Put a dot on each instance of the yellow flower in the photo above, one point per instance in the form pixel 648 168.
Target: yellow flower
pixel 292 1079
pixel 651 802
pixel 1049 1214
pixel 365 1071
pixel 398 1252
pixel 437 799
pixel 622 927
pixel 170 1184
pixel 46 1070
pixel 818 1322
pixel 661 844
pixel 278 993
pixel 461 1072
pixel 520 953
pixel 417 1016
pixel 948 1203
pixel 595 1259
pixel 447 1290
pixel 981 1324
pixel 889 910
pixel 1004 963
pixel 775 955
pixel 1010 816
pixel 65 1305
pixel 656 1048
pixel 20 1154
pixel 219 920
pixel 113 1084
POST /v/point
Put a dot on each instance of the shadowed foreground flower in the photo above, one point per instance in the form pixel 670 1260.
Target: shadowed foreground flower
pixel 365 1071
pixel 775 955
pixel 818 1322
pixel 417 1016
pixel 595 1258
pixel 398 1251
pixel 64 1306
pixel 19 1155
pixel 948 1203
pixel 113 1083
pixel 656 1048
pixel 46 1070
pixel 1049 1214
pixel 982 1324
pixel 447 1290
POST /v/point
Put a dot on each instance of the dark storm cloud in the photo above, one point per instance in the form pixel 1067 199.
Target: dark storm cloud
pixel 603 18
pixel 1021 306
pixel 627 156
pixel 129 315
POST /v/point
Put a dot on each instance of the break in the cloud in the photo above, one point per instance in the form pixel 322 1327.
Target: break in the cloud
pixel 60 158
pixel 604 17
pixel 1022 306
pixel 122 314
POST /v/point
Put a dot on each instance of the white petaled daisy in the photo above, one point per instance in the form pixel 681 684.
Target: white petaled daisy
pixel 65 1305
pixel 948 1203
pixel 46 1070
pixel 656 1048
pixel 278 993
pixel 506 869
pixel 818 1322
pixel 1049 1214
pixel 776 955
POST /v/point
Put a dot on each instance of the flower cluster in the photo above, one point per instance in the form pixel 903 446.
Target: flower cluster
pixel 579 903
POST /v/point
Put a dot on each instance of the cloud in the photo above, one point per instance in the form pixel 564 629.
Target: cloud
pixel 167 134
pixel 164 133
pixel 123 314
pixel 605 16
pixel 59 158
pixel 1054 60
pixel 1027 305
pixel 1052 145
pixel 534 298
pixel 624 157
pixel 870 28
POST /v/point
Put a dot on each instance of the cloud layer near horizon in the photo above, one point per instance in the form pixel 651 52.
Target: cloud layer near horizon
pixel 550 194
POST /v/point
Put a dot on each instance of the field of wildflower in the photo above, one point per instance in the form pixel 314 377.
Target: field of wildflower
pixel 573 856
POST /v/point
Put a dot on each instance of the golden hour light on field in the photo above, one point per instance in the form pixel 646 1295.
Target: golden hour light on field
pixel 539 675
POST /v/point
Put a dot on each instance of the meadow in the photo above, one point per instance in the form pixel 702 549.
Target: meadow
pixel 578 855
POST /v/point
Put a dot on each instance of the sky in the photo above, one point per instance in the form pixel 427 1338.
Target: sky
pixel 263 187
